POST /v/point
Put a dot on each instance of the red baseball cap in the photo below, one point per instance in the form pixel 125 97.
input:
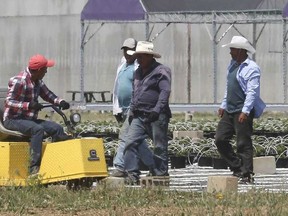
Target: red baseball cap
pixel 39 61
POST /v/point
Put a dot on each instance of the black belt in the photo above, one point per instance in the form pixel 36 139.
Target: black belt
pixel 141 113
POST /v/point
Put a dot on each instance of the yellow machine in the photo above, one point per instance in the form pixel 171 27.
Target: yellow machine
pixel 75 162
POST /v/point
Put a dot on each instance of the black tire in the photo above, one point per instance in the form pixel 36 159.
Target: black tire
pixel 78 184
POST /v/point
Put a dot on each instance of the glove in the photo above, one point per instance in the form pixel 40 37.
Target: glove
pixel 130 118
pixel 35 105
pixel 153 116
pixel 119 117
pixel 64 105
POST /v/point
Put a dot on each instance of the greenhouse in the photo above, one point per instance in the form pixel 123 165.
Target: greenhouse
pixel 197 57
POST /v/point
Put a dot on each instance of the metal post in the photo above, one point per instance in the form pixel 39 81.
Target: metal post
pixel 254 40
pixel 147 26
pixel 82 62
pixel 284 60
pixel 189 64
pixel 214 57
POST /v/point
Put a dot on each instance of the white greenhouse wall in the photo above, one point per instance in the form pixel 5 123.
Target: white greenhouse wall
pixel 52 28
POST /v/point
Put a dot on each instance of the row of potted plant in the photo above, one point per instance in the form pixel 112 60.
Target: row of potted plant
pixel 262 125
pixel 195 149
pixel 206 146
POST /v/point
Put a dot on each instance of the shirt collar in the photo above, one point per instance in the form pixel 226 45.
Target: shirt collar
pixel 29 75
pixel 28 71
pixel 246 62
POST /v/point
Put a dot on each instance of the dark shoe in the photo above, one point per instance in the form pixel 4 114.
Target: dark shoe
pixel 118 173
pixel 246 178
pixel 237 174
pixel 34 172
pixel 156 172
pixel 131 179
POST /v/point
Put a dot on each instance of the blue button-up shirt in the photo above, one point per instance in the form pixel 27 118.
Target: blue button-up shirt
pixel 248 76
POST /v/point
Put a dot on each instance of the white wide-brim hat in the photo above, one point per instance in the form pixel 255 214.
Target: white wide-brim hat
pixel 144 47
pixel 240 42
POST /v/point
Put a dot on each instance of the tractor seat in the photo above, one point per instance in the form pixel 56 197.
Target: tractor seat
pixel 6 134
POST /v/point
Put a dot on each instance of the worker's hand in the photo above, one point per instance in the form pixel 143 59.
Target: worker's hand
pixel 119 117
pixel 242 117
pixel 64 105
pixel 35 105
pixel 130 118
pixel 153 116
pixel 220 112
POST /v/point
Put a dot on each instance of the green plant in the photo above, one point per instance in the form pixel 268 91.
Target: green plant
pixel 110 146
pixel 281 151
pixel 179 147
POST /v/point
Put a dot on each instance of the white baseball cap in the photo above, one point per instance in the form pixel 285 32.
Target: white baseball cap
pixel 129 43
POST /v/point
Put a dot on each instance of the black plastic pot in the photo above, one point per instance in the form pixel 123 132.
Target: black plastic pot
pixel 190 159
pixel 282 163
pixel 178 162
pixel 205 161
pixel 219 163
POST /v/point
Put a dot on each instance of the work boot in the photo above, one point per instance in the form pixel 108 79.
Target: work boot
pixel 237 173
pixel 131 179
pixel 34 171
pixel 246 178
pixel 157 172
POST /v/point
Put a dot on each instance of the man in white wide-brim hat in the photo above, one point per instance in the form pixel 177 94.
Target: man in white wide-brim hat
pixel 122 93
pixel 240 42
pixel 241 104
pixel 149 114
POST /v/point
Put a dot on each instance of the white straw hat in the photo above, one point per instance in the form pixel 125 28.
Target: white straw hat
pixel 144 47
pixel 240 42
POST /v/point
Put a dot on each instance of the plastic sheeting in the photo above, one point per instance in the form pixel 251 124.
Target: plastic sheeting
pixel 113 10
pixel 285 11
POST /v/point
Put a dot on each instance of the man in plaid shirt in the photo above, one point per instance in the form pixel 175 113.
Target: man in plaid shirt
pixel 22 107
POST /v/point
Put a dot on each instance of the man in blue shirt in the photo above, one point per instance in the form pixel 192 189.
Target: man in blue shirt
pixel 241 104
pixel 123 82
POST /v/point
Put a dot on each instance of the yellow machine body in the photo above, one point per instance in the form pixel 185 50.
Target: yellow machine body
pixel 61 161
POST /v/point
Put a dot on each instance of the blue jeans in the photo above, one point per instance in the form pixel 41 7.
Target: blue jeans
pixel 138 131
pixel 118 161
pixel 35 129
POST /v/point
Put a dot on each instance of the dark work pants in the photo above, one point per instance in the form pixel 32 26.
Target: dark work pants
pixel 242 159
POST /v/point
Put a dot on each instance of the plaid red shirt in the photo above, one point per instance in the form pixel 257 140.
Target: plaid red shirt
pixel 21 91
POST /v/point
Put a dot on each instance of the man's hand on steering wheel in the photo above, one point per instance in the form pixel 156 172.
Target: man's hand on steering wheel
pixel 35 105
pixel 64 105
